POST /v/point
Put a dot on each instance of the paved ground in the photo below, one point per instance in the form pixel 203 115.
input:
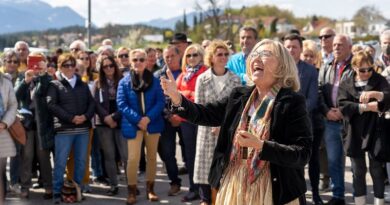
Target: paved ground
pixel 98 197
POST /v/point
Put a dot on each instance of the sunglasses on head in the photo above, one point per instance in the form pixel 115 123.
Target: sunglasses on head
pixel 11 61
pixel 366 70
pixel 138 59
pixel 123 56
pixel 325 36
pixel 222 54
pixel 68 65
pixel 192 55
pixel 108 66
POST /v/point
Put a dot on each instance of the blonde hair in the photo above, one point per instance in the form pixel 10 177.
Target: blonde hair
pixel 137 50
pixel 361 57
pixel 122 49
pixel 286 73
pixel 311 46
pixel 198 49
pixel 211 49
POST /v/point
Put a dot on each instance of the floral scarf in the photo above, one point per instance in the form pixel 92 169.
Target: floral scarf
pixel 191 71
pixel 258 125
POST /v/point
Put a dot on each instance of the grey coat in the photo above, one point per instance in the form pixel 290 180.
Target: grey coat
pixel 7 146
pixel 206 92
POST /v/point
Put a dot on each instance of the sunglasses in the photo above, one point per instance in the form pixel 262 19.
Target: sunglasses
pixel 123 56
pixel 325 36
pixel 84 59
pixel 108 66
pixel 138 59
pixel 11 61
pixel 222 54
pixel 192 55
pixel 68 65
pixel 366 70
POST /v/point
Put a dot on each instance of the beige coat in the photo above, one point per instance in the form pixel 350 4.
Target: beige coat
pixel 7 146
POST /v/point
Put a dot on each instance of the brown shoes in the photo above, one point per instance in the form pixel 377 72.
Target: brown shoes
pixel 174 190
pixel 150 191
pixel 132 192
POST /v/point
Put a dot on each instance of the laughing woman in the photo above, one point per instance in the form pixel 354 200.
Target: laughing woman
pixel 265 138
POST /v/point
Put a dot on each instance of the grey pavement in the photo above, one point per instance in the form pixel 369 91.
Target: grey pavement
pixel 98 196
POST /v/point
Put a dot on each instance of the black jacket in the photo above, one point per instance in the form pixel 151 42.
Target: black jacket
pixel 288 149
pixel 65 103
pixel 359 127
pixel 103 106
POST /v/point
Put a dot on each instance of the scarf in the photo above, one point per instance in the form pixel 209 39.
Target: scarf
pixel 191 71
pixel 141 83
pixel 258 125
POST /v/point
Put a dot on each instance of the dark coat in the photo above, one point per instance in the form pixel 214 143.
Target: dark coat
pixel 288 149
pixel 359 127
pixel 103 106
pixel 325 84
pixel 65 103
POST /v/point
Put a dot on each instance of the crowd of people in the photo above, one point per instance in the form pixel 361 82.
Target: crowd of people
pixel 248 122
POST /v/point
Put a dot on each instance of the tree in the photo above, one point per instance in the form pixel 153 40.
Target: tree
pixel 213 16
pixel 365 15
pixel 185 25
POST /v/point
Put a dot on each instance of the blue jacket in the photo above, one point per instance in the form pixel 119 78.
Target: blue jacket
pixel 237 64
pixel 128 105
pixel 308 77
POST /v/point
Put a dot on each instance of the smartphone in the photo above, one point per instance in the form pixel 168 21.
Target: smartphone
pixel 33 62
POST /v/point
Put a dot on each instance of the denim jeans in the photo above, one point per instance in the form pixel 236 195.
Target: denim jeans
pixel 189 131
pixel 15 165
pixel 63 145
pixel 335 152
pixel 96 157
pixel 314 163
pixel 167 151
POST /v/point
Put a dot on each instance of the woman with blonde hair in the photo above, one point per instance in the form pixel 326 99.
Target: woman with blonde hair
pixel 192 66
pixel 140 101
pixel 265 138
pixel 214 84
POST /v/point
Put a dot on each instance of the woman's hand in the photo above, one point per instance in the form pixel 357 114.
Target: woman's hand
pixel 170 88
pixel 143 123
pixel 246 139
pixel 367 95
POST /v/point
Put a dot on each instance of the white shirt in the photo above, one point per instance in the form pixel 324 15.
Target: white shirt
pixel 71 81
pixel 220 81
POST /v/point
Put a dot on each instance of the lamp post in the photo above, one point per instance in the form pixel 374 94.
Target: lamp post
pixel 89 24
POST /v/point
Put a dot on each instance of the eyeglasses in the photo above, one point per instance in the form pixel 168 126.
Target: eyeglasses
pixel 261 54
pixel 222 54
pixel 84 59
pixel 75 49
pixel 366 70
pixel 108 66
pixel 192 55
pixel 123 56
pixel 11 61
pixel 325 36
pixel 68 65
pixel 138 59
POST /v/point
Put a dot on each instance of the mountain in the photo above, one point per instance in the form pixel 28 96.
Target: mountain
pixel 170 22
pixel 35 15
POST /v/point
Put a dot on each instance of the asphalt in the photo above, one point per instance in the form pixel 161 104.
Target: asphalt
pixel 98 196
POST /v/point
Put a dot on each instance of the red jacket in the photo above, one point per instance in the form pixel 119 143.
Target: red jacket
pixel 187 89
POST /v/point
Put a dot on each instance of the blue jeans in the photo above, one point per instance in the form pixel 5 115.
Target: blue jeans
pixel 167 151
pixel 96 158
pixel 335 153
pixel 63 145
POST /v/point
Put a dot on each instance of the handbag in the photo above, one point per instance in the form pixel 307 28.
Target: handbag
pixel 380 147
pixel 17 132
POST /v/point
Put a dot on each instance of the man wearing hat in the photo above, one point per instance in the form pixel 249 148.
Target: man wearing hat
pixel 180 41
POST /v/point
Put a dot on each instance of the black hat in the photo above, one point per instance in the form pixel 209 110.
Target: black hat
pixel 179 38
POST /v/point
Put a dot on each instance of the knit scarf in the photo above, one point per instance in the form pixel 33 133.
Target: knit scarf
pixel 258 125
pixel 141 83
pixel 191 71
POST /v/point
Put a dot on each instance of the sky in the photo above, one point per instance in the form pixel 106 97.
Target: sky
pixel 134 11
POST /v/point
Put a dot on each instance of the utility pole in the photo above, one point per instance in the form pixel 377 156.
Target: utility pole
pixel 89 24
